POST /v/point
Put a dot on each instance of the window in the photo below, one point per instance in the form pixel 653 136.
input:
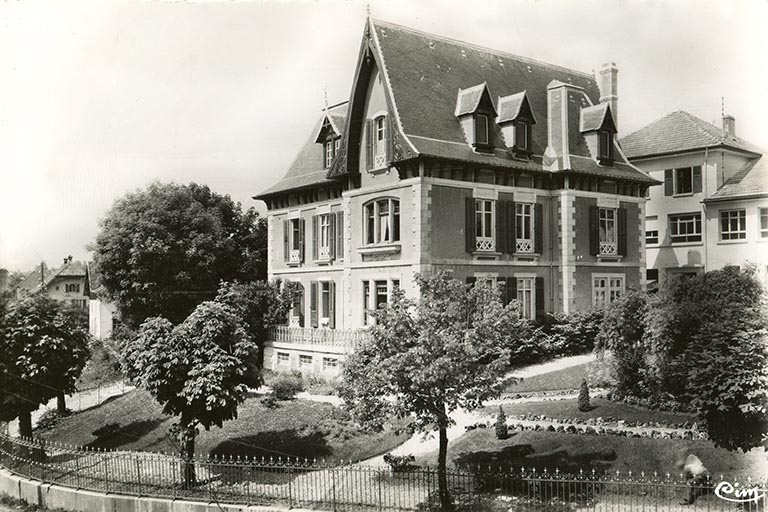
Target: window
pixel 685 228
pixel 684 181
pixel 297 311
pixel 382 295
pixel 382 221
pixel 484 227
pixel 72 287
pixel 336 144
pixel 325 235
pixel 605 144
pixel 521 135
pixel 481 129
pixel 376 295
pixel 325 303
pixel 526 296
pixel 380 143
pixel 283 358
pixel 652 237
pixel 607 230
pixel 305 361
pixel 733 224
pixel 652 274
pixel 329 153
pixel 330 363
pixel 524 228
pixel 606 289
pixel 763 222
pixel 366 305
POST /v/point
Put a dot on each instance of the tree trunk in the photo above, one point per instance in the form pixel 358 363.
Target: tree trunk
pixel 442 472
pixel 25 424
pixel 61 403
pixel 188 454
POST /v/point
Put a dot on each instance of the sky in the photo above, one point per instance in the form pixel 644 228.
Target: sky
pixel 98 99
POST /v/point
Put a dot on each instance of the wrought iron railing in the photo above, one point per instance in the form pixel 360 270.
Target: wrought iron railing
pixel 608 248
pixel 345 486
pixel 347 338
pixel 485 244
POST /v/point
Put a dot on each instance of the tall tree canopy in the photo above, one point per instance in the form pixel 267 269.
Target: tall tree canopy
pixel 427 359
pixel 163 250
pixel 43 349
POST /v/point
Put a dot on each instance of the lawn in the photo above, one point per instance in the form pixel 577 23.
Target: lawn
pixel 567 378
pixel 562 409
pixel 571 452
pixel 296 428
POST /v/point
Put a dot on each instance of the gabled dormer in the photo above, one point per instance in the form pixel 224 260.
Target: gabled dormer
pixel 516 120
pixel 476 113
pixel 599 129
pixel 329 136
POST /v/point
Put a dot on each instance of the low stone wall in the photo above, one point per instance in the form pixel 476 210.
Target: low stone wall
pixel 54 496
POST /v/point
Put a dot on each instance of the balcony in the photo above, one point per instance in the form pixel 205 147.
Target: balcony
pixel 346 338
pixel 523 246
pixel 608 249
pixel 485 244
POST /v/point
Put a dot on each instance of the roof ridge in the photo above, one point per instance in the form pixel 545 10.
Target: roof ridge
pixel 697 123
pixel 484 48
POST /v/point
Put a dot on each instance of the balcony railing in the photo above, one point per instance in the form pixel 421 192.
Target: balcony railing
pixel 348 338
pixel 484 244
pixel 524 246
pixel 608 248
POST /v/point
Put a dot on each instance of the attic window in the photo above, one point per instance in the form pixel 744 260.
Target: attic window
pixel 522 135
pixel 605 147
pixel 330 148
pixel 481 129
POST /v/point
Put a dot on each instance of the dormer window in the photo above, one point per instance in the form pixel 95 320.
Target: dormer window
pixel 522 135
pixel 481 129
pixel 376 147
pixel 329 151
pixel 605 144
pixel 516 120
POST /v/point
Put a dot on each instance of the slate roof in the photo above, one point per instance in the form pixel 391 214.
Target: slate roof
pixel 750 181
pixel 307 169
pixel 32 281
pixel 592 118
pixel 469 99
pixel 509 107
pixel 678 132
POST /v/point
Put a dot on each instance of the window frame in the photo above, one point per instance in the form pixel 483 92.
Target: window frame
pixel 485 123
pixel 608 245
pixel 738 235
pixel 327 366
pixel 373 218
pixel 525 244
pixel 525 125
pixel 329 153
pixel 604 296
pixel 675 180
pixel 674 221
pixel 485 219
pixel 303 363
pixel 605 146
pixel 279 358
pixel 762 222
pixel 380 135
pixel 649 237
pixel 525 287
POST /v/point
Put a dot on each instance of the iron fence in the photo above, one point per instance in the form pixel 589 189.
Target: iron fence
pixel 294 483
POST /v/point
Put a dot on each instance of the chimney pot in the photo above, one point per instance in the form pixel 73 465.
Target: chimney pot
pixel 607 82
pixel 729 125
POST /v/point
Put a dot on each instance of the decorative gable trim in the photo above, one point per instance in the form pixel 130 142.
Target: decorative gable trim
pixel 326 126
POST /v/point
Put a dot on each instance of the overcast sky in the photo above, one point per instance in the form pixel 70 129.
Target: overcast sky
pixel 98 99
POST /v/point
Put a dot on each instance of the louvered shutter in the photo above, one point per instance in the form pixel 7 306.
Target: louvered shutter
pixel 594 230
pixel 501 227
pixel 286 238
pixel 313 304
pixel 301 306
pixel 469 227
pixel 340 235
pixel 511 289
pixel 315 238
pixel 538 228
pixel 332 235
pixel 332 305
pixel 668 182
pixel 621 219
pixel 369 144
pixel 471 280
pixel 390 142
pixel 512 227
pixel 540 309
pixel 697 186
pixel 302 227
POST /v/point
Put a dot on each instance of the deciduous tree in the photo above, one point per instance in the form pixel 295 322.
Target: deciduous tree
pixel 163 250
pixel 430 357
pixel 43 349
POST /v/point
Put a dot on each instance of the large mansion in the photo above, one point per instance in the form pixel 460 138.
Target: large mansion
pixel 452 156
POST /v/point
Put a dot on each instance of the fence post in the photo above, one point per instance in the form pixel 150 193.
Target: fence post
pixel 290 489
pixel 333 488
pixel 173 475
pixel 105 461
pixel 77 469
pixel 138 473
pixel 379 479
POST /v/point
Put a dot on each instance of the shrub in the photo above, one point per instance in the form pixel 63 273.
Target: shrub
pixel 502 432
pixel 399 463
pixel 583 401
pixel 50 418
pixel 286 385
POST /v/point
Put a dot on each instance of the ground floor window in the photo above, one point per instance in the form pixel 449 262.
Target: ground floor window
pixel 305 361
pixel 526 294
pixel 763 222
pixel 376 295
pixel 606 288
pixel 733 224
pixel 330 363
pixel 283 358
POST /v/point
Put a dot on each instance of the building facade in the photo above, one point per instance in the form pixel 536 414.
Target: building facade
pixel 68 283
pixel 452 156
pixel 713 208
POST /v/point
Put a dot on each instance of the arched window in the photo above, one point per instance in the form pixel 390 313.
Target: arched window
pixel 381 221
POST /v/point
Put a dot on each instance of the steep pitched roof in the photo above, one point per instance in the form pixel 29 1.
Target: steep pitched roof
pixel 510 107
pixel 307 169
pixel 750 181
pixel 595 117
pixel 469 99
pixel 71 269
pixel 32 281
pixel 678 132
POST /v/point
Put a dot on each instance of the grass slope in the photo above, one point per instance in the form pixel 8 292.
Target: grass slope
pixel 562 409
pixel 297 428
pixel 567 378
pixel 571 452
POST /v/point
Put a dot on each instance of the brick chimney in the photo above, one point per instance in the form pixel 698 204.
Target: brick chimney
pixel 607 81
pixel 729 125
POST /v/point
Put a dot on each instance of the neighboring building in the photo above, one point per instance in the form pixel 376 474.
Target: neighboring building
pixel 713 208
pixel 68 283
pixel 452 156
pixel 4 279
pixel 102 314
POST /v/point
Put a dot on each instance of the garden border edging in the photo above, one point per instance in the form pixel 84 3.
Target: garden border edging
pixel 52 496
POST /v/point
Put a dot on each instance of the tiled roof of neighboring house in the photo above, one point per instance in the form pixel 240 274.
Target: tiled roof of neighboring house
pixel 32 281
pixel 71 269
pixel 678 132
pixel 751 181
pixel 307 168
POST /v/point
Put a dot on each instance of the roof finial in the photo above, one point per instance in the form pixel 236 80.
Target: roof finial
pixel 325 97
pixel 368 10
